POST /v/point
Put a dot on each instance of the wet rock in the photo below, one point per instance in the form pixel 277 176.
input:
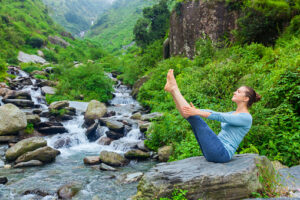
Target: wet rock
pixel 12 119
pixel 137 115
pixel 52 130
pixel 7 166
pixel 48 124
pixel 106 167
pixel 33 119
pixel 91 132
pixel 111 113
pixel 37 192
pixel 63 117
pixel 151 116
pixel 113 159
pixel 26 58
pixel 70 111
pixel 130 177
pixel 109 177
pixel 137 154
pixel 58 105
pixel 144 126
pixel 164 153
pixel 114 135
pixel 91 160
pixel 44 114
pixel 3 180
pixel 24 146
pixel 48 90
pixel 62 142
pixel 31 163
pixel 44 154
pixel 7 139
pixel 37 111
pixel 69 190
pixel 235 180
pixel 4 91
pixel 141 146
pixel 95 110
pixel 113 125
pixel 105 141
pixel 17 95
pixel 23 103
pixel 59 41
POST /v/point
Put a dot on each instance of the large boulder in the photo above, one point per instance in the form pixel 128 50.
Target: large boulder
pixel 26 58
pixel 113 159
pixel 44 154
pixel 12 119
pixel 236 179
pixel 24 146
pixel 95 110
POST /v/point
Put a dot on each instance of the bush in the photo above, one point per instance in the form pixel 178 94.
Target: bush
pixel 35 42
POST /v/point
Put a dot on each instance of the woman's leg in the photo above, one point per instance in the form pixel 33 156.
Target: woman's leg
pixel 211 146
pixel 171 86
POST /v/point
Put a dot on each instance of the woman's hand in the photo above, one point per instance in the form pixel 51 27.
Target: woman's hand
pixel 190 110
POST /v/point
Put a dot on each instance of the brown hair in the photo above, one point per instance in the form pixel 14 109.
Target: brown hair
pixel 253 96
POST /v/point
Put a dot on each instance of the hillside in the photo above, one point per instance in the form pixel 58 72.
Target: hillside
pixel 114 27
pixel 76 16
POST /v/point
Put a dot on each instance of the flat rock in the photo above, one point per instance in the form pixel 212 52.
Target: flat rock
pixel 236 179
pixel 27 58
pixel 137 154
pixel 113 159
pixel 52 130
pixel 31 163
pixel 106 167
pixel 130 177
pixel 7 138
pixel 113 125
pixel 23 103
pixel 58 105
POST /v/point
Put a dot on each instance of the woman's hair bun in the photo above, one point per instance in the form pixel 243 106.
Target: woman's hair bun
pixel 257 98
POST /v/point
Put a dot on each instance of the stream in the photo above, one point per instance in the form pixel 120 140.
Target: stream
pixel 68 166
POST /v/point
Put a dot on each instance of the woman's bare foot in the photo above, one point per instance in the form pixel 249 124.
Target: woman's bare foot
pixel 171 81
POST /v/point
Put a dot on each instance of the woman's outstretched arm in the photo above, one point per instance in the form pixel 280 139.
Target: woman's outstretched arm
pixel 192 110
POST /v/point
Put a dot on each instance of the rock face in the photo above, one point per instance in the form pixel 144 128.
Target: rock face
pixel 25 146
pixel 236 179
pixel 193 18
pixel 12 119
pixel 26 58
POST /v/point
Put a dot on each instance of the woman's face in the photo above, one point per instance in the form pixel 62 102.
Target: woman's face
pixel 240 95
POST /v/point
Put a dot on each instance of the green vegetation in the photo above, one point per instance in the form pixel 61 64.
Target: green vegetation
pixel 210 79
pixel 114 27
pixel 29 128
pixel 178 194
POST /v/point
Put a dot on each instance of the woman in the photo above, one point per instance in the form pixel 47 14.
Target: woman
pixel 235 124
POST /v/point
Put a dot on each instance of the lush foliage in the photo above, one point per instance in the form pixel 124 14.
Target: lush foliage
pixel 153 25
pixel 178 194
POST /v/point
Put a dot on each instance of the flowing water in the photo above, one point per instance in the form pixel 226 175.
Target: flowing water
pixel 69 166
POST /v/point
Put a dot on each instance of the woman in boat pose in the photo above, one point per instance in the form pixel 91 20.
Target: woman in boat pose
pixel 235 124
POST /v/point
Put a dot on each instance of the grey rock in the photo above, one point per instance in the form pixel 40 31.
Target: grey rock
pixel 25 146
pixel 27 58
pixel 130 177
pixel 105 141
pixel 236 179
pixel 58 105
pixel 95 110
pixel 52 130
pixel 164 153
pixel 48 90
pixel 69 190
pixel 8 138
pixel 144 126
pixel 291 177
pixel 12 119
pixel 106 167
pixel 141 146
pixel 31 163
pixel 34 119
pixel 113 125
pixel 113 159
pixel 151 116
pixel 91 132
pixel 62 142
pixel 137 115
pixel 44 154
pixel 114 135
